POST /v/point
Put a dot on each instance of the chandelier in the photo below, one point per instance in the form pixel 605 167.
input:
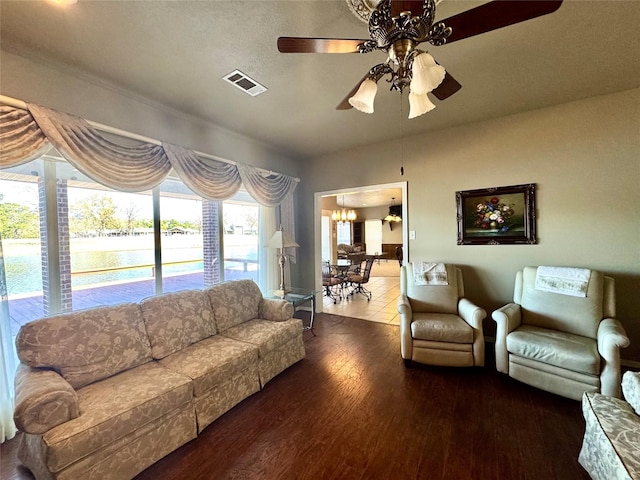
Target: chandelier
pixel 343 215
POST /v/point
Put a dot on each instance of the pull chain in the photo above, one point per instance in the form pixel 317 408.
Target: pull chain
pixel 401 135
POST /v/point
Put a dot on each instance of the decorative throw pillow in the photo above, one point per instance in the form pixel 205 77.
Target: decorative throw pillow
pixel 631 389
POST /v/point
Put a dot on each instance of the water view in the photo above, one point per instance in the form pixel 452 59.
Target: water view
pixel 105 260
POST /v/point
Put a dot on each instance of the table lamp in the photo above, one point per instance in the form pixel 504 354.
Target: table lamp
pixel 281 240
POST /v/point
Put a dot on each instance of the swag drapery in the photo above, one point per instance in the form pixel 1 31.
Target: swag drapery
pixel 26 134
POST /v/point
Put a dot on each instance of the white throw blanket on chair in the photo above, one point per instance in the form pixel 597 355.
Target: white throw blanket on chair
pixel 563 280
pixel 425 273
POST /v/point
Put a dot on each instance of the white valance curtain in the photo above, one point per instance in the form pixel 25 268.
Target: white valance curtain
pixel 24 135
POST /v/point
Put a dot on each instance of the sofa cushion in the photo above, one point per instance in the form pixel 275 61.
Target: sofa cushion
pixel 265 334
pixel 234 302
pixel 212 362
pixel 560 349
pixel 611 439
pixel 176 320
pixel 441 327
pixel 87 345
pixel 115 407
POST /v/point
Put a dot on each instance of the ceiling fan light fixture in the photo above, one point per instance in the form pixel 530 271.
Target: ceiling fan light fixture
pixel 419 104
pixel 364 97
pixel 426 74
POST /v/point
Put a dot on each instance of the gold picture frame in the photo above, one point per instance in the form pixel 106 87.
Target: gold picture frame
pixel 497 216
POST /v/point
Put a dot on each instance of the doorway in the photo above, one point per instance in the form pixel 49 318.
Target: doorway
pixel 370 231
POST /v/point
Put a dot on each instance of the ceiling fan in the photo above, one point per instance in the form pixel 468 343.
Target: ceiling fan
pixel 397 27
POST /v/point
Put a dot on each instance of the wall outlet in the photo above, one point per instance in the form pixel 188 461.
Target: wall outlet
pixel 412 234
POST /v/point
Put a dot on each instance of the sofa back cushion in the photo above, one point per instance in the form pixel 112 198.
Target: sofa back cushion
pixel 87 345
pixel 577 315
pixel 176 320
pixel 234 303
pixel 433 298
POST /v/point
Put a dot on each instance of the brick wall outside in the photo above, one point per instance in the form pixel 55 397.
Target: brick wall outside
pixel 211 242
pixel 64 247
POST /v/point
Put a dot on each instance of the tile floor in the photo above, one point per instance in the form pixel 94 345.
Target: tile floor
pixel 384 290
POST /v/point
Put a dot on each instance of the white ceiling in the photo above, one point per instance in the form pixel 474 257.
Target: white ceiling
pixel 368 198
pixel 176 53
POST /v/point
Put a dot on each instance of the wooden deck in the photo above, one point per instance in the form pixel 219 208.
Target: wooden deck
pixel 26 309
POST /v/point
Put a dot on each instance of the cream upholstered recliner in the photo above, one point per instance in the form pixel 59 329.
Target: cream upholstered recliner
pixel 559 342
pixel 438 326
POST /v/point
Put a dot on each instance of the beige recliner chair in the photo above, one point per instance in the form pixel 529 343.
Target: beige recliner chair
pixel 437 325
pixel 555 340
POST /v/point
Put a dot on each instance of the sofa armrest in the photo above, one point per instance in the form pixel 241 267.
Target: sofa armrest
pixel 611 338
pixel 404 309
pixel 43 400
pixel 275 309
pixel 471 313
pixel 507 319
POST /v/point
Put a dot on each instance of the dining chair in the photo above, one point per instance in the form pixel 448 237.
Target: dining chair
pixel 358 281
pixel 330 282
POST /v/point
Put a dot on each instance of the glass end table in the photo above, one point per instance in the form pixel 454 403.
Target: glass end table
pixel 297 297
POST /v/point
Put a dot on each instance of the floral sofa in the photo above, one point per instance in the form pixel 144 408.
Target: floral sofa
pixel 611 444
pixel 106 392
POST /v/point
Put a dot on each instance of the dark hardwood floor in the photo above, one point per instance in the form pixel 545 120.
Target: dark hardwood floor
pixel 351 410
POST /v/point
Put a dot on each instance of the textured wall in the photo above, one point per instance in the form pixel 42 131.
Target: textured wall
pixel 583 156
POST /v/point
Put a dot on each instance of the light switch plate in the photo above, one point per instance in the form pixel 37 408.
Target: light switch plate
pixel 412 234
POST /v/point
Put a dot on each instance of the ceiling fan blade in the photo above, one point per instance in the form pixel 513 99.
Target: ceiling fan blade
pixel 448 87
pixel 318 45
pixel 497 14
pixel 344 104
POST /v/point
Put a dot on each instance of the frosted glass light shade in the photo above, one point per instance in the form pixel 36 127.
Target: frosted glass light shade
pixel 426 74
pixel 363 99
pixel 419 104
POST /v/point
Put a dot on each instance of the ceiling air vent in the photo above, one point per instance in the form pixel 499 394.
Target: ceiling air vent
pixel 244 83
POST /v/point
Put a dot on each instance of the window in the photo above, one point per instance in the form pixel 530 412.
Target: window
pixel 241 227
pixel 326 237
pixel 21 245
pixel 70 243
pixel 343 232
pixel 181 221
pixel 373 236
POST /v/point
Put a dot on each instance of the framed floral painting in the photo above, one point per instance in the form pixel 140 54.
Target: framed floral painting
pixel 497 216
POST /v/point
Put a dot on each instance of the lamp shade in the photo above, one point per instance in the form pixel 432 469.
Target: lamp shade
pixel 426 74
pixel 281 240
pixel 363 99
pixel 419 104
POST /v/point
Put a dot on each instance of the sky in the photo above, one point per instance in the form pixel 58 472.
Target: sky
pixel 26 194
